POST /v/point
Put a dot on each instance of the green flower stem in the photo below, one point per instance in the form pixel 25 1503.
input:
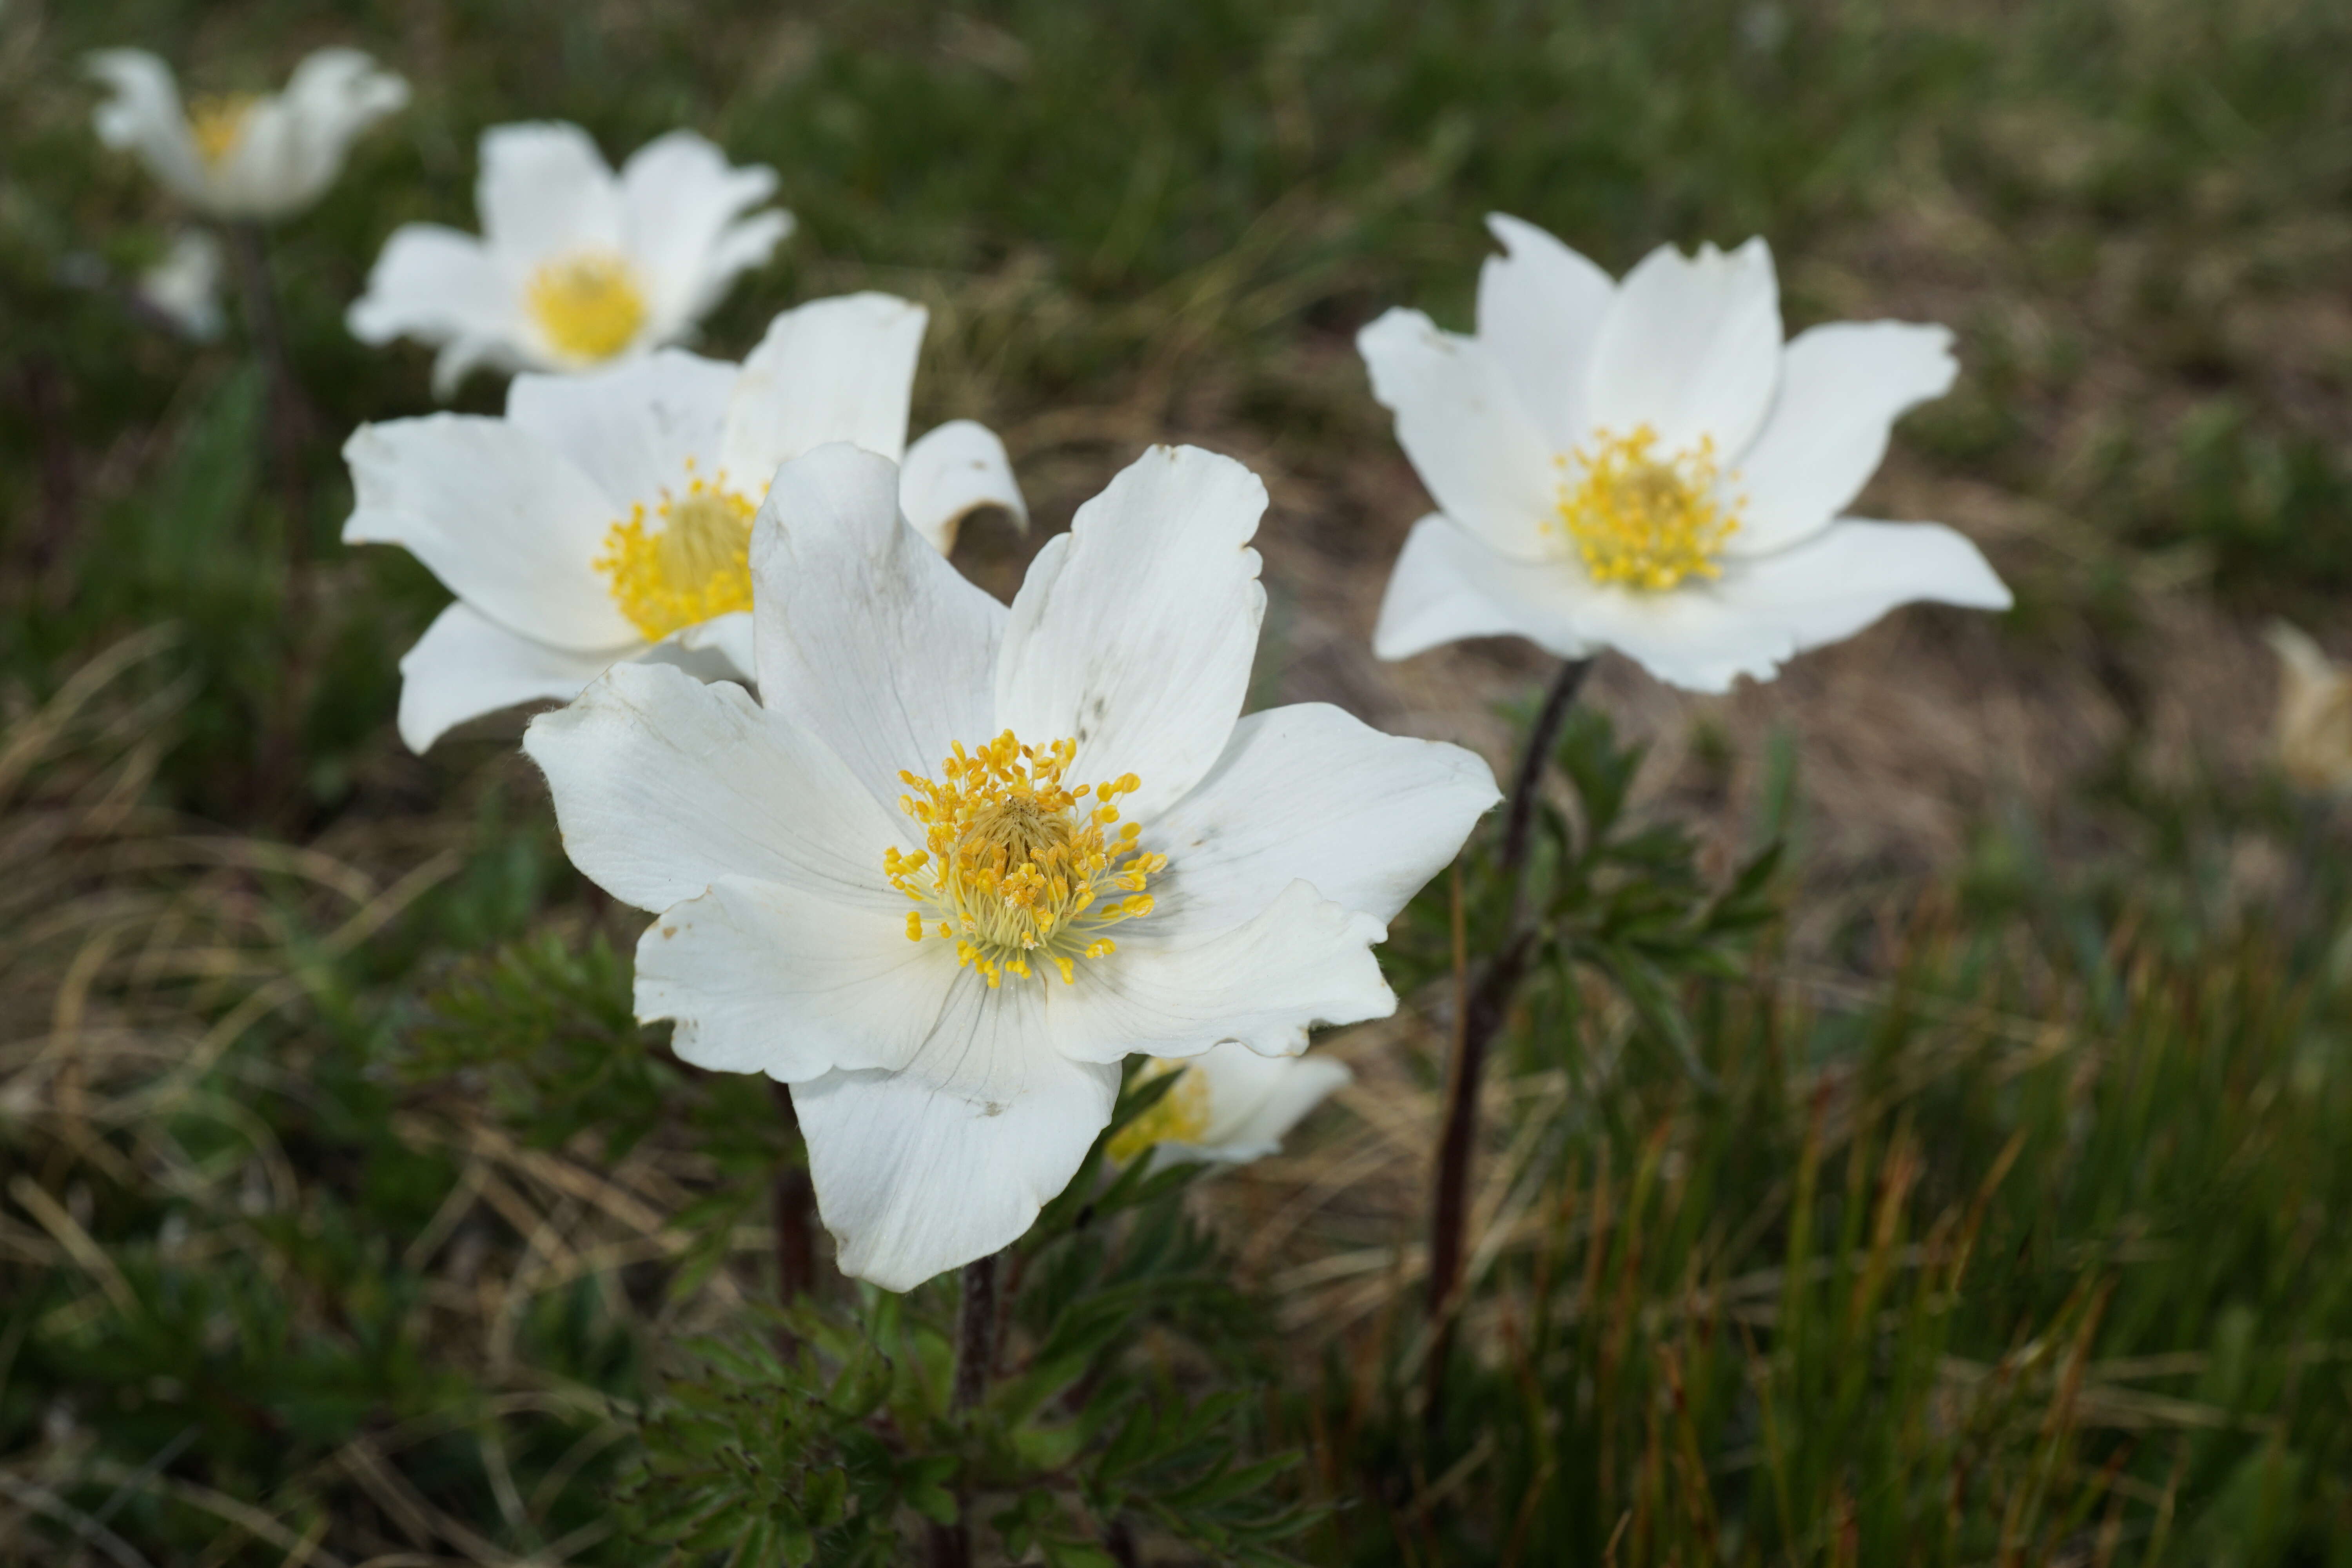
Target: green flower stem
pixel 1476 1025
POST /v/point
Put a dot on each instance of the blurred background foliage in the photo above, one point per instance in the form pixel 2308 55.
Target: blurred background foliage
pixel 1986 1209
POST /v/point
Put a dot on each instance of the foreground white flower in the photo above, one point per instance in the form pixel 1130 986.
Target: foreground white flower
pixel 1645 466
pixel 956 862
pixel 608 517
pixel 1232 1106
pixel 184 286
pixel 260 156
pixel 576 268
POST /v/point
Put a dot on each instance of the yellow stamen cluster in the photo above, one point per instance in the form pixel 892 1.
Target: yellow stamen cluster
pixel 588 304
pixel 1015 868
pixel 1181 1116
pixel 1642 520
pixel 216 123
pixel 697 565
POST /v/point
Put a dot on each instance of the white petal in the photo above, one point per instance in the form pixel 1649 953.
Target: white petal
pixel 1254 1100
pixel 926 1169
pixel 1762 612
pixel 833 369
pixel 467 664
pixel 184 286
pixel 1312 792
pixel 953 472
pixel 1540 310
pixel 1447 585
pixel 720 648
pixel 637 428
pixel 1169 992
pixel 866 635
pixel 546 191
pixel 439 286
pixel 1843 386
pixel 766 978
pixel 663 785
pixel 1691 347
pixel 1134 633
pixel 681 201
pixel 507 523
pixel 1460 418
pixel 144 116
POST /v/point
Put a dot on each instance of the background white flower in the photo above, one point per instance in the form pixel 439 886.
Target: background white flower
pixel 2312 733
pixel 949 997
pixel 576 267
pixel 1232 1106
pixel 258 156
pixel 184 286
pixel 1645 466
pixel 608 517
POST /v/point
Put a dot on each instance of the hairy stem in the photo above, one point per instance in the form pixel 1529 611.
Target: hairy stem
pixel 949 1545
pixel 1479 1021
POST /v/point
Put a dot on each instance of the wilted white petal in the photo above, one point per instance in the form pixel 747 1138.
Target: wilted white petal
pixel 953 472
pixel 1312 792
pixel 833 370
pixel 663 785
pixel 926 1169
pixel 1540 310
pixel 1691 348
pixel 866 635
pixel 1460 418
pixel 467 664
pixel 1135 632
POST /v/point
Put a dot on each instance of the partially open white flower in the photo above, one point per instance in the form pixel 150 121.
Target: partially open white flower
pixel 260 156
pixel 577 267
pixel 1232 1106
pixel 608 517
pixel 184 286
pixel 1645 466
pixel 954 862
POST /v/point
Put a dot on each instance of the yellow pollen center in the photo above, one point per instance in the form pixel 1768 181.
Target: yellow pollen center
pixel 1642 520
pixel 587 303
pixel 216 123
pixel 1015 868
pixel 695 566
pixel 1181 1116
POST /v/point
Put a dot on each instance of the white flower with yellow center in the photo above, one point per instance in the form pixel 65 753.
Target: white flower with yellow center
pixel 1232 1106
pixel 1646 465
pixel 576 268
pixel 608 517
pixel 246 156
pixel 955 862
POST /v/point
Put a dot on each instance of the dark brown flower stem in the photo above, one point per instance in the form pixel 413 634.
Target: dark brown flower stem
pixel 1480 1020
pixel 950 1544
pixel 276 770
pixel 288 412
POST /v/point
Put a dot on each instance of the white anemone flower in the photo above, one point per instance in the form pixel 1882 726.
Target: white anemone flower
pixel 956 862
pixel 608 517
pixel 184 286
pixel 577 267
pixel 258 156
pixel 1232 1106
pixel 1645 466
